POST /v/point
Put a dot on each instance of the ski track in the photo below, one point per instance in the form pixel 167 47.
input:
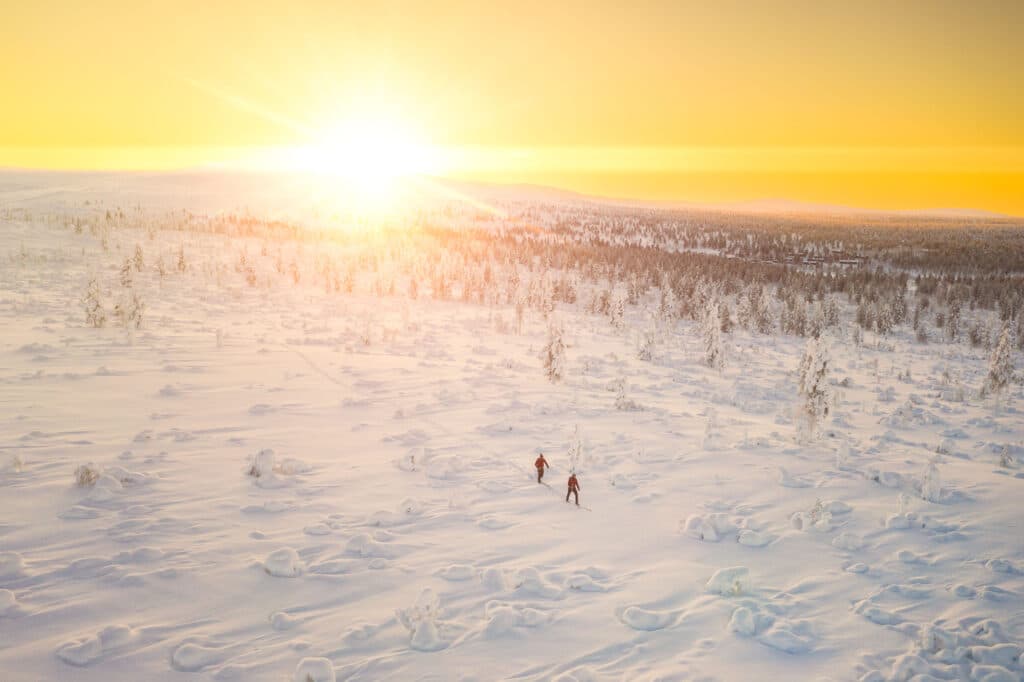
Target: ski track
pixel 397 532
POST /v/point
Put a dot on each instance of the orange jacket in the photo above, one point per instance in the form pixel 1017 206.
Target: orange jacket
pixel 573 483
pixel 541 462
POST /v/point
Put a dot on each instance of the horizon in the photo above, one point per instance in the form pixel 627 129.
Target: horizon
pixel 873 108
pixel 766 205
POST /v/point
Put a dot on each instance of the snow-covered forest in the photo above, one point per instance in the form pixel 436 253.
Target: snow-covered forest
pixel 252 445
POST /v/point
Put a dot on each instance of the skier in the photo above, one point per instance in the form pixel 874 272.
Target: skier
pixel 574 488
pixel 540 464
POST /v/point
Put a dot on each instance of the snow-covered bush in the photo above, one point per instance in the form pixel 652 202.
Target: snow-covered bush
pixel 262 463
pixel 420 620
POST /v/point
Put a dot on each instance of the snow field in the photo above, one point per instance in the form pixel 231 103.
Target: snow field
pixel 244 489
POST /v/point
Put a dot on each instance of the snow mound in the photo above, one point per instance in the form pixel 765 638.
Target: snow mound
pixel 314 670
pixel 529 581
pixel 190 657
pixel 11 463
pixel 753 538
pixel 788 638
pixel 11 565
pixel 84 651
pixel 743 622
pixel 458 572
pixel 282 621
pixel 728 581
pixel 283 563
pixel 643 619
pixel 493 579
pixel 847 541
pixel 708 527
pixel 503 618
pixel 788 481
pixel 8 602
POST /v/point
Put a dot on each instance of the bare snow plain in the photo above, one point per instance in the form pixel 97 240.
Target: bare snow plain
pixel 282 483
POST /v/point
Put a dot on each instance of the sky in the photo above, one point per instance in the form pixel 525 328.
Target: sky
pixel 885 105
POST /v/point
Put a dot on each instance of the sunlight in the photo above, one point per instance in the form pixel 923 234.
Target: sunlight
pixel 370 156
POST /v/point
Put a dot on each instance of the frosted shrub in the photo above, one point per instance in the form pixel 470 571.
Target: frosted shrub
pixel 138 260
pixel 86 475
pixel 622 402
pixel 645 348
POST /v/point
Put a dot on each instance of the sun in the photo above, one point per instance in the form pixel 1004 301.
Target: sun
pixel 371 165
pixel 370 155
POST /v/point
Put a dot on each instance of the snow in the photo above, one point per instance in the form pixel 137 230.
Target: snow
pixel 245 488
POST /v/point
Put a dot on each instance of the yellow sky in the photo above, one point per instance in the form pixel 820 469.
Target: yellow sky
pixel 881 104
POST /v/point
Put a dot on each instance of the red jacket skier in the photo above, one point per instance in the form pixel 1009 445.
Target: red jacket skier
pixel 540 464
pixel 574 488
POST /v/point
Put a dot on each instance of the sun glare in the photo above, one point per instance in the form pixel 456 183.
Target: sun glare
pixel 369 156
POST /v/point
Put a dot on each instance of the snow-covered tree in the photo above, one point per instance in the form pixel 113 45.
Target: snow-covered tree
pixel 711 335
pixel 812 384
pixel 753 310
pixel 126 273
pixel 1000 366
pixel 553 354
pixel 931 483
pixel 94 313
pixel 617 311
pixel 668 305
